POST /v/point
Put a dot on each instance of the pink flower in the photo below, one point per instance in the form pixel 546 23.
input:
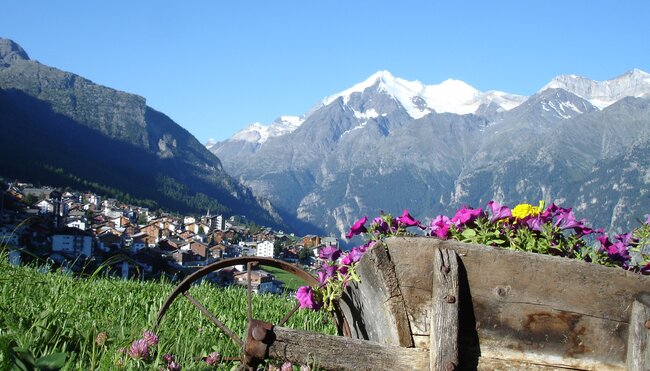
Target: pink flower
pixel 367 246
pixel 286 366
pixel 329 253
pixel 353 256
pixel 212 359
pixel 465 216
pixel 306 298
pixel 329 270
pixel 407 220
pixel 358 228
pixel 379 225
pixel 139 349
pixel 173 366
pixel 440 226
pixel 150 338
pixel 169 358
pixel 498 211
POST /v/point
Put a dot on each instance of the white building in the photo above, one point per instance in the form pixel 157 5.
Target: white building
pixel 265 249
pixel 77 223
pixel 73 240
pixel 45 207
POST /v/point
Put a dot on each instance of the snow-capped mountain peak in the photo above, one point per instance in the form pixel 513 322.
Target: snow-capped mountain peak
pixel 452 96
pixel 259 133
pixel 634 83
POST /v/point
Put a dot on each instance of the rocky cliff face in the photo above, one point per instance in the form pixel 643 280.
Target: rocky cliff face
pixel 59 121
pixel 378 146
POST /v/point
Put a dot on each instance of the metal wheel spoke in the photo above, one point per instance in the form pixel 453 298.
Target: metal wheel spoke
pixel 291 313
pixel 249 267
pixel 214 320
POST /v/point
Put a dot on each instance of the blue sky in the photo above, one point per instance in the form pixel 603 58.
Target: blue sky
pixel 217 66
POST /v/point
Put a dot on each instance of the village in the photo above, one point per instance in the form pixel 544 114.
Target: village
pixel 79 232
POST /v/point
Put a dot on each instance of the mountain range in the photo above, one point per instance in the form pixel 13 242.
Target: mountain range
pixel 389 144
pixel 61 129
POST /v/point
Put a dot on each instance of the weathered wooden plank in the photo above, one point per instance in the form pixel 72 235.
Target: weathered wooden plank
pixel 444 313
pixel 638 345
pixel 341 353
pixel 530 307
pixel 375 308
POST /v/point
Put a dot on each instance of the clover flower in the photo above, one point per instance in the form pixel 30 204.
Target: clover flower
pixel 150 338
pixel 173 366
pixel 212 359
pixel 101 338
pixel 286 366
pixel 168 358
pixel 139 349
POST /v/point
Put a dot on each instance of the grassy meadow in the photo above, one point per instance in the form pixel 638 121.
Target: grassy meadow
pixel 45 317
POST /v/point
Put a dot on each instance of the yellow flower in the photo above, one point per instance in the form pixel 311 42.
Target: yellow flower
pixel 523 210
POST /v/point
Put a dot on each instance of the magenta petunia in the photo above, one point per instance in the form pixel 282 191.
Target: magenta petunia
pixel 331 253
pixel 408 221
pixel 379 225
pixel 465 216
pixel 306 298
pixel 329 269
pixel 367 246
pixel 534 223
pixel 358 227
pixel 498 211
pixel 353 256
pixel 566 220
pixel 322 278
pixel 617 251
pixel 440 226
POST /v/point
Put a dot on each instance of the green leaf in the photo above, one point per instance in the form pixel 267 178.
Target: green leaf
pixel 469 233
pixel 24 355
pixel 54 361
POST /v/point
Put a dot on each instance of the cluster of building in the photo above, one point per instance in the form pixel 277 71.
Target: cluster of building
pixel 81 231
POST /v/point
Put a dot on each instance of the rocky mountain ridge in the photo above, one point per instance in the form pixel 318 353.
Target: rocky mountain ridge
pixel 383 145
pixel 58 126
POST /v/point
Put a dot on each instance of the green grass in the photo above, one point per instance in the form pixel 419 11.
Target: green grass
pixel 50 313
pixel 291 282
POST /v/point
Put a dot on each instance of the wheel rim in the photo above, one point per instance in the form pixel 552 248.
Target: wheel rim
pixel 182 290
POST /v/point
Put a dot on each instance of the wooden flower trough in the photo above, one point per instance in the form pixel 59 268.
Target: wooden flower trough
pixel 428 304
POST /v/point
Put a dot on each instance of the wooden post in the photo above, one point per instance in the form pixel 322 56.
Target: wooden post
pixel 444 312
pixel 638 339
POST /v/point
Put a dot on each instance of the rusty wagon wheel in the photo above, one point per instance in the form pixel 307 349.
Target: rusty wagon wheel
pixel 253 348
